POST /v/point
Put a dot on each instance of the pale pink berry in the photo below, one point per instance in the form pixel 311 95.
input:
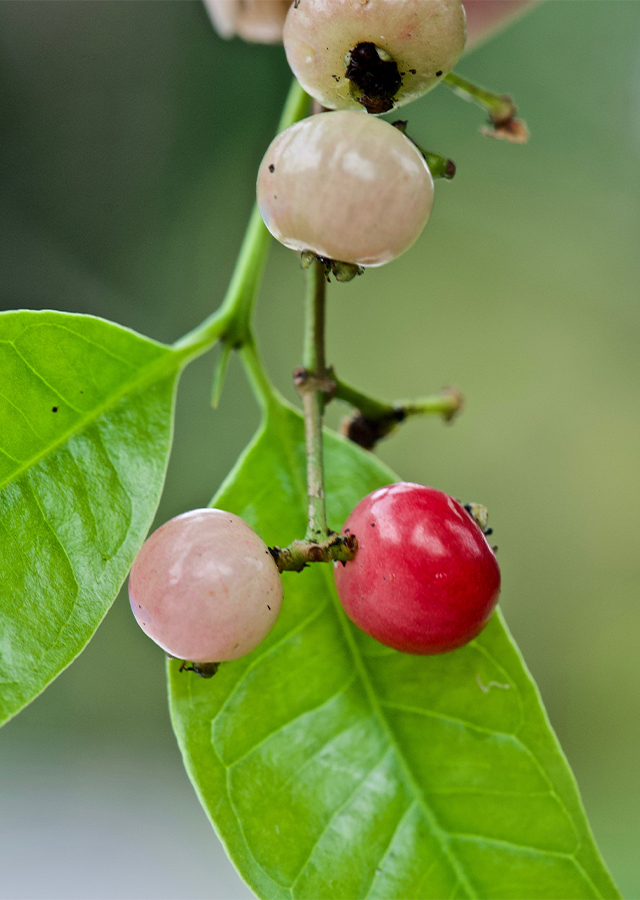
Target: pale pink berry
pixel 376 54
pixel 205 587
pixel 345 186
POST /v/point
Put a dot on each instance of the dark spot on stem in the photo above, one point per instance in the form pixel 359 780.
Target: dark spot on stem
pixel 54 409
pixel 272 168
pixel 438 73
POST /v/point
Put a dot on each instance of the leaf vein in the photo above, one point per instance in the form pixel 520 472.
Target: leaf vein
pixel 336 813
pixel 432 714
pixel 267 652
pixel 436 829
pixel 301 715
pixel 378 869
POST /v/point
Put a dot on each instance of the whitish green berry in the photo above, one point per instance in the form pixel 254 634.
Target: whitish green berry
pixel 345 186
pixel 376 54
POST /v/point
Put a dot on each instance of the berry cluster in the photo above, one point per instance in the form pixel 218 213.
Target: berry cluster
pixel 413 568
pixel 340 185
pixel 424 579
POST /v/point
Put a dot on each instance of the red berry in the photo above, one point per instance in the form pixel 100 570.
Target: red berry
pixel 424 579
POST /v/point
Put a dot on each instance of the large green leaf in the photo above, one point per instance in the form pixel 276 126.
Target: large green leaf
pixel 85 431
pixel 333 767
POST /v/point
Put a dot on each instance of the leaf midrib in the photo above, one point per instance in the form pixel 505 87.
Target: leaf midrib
pixel 436 829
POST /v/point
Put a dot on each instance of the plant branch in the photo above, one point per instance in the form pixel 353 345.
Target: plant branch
pixel 375 419
pixel 262 387
pixel 231 322
pixel 299 554
pixel 310 383
pixel 314 386
pixel 501 109
pixel 439 166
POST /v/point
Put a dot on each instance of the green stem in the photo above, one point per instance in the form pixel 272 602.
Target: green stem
pixel 262 388
pixel 376 419
pixel 446 403
pixel 439 166
pixel 232 320
pixel 314 385
pixel 365 403
pixel 313 355
pixel 499 106
pixel 310 386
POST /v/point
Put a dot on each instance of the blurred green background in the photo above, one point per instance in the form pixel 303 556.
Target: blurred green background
pixel 130 136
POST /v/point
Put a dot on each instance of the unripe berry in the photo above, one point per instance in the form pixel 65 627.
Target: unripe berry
pixel 347 187
pixel 424 579
pixel 205 587
pixel 373 53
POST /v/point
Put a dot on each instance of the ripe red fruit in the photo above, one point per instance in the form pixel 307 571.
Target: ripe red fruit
pixel 424 579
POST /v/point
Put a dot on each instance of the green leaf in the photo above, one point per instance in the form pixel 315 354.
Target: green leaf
pixel 85 431
pixel 333 767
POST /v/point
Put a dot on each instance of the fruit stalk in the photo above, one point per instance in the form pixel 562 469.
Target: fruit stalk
pixel 501 109
pixel 312 386
pixel 375 419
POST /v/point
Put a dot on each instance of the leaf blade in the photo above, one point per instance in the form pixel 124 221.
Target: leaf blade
pixel 334 767
pixel 86 432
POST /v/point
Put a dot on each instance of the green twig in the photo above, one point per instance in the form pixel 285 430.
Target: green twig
pixel 375 419
pixel 310 383
pixel 501 109
pixel 439 166
pixel 320 544
pixel 231 322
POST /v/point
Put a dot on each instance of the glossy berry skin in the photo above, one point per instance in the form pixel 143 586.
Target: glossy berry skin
pixel 205 587
pixel 424 579
pixel 346 186
pixel 423 39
